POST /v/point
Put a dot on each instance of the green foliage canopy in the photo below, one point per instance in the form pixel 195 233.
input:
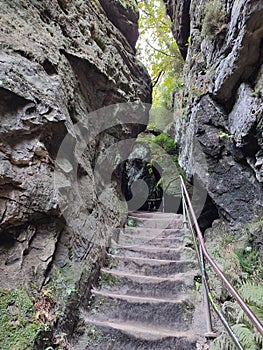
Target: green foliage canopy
pixel 159 52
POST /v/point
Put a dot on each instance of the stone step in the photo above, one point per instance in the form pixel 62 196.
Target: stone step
pixel 154 232
pixel 138 240
pixel 151 286
pixel 169 222
pixel 115 335
pixel 146 296
pixel 153 252
pixel 170 312
pixel 151 267
pixel 155 214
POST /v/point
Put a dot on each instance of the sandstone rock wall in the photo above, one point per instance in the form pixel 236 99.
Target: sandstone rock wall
pixel 60 60
pixel 221 108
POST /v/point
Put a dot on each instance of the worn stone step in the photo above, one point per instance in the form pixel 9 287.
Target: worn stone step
pixel 115 335
pixel 155 214
pixel 154 232
pixel 171 312
pixel 138 240
pixel 153 286
pixel 151 267
pixel 169 222
pixel 147 232
pixel 153 252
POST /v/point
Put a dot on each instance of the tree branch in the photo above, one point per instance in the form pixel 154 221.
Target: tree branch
pixel 158 50
pixel 156 80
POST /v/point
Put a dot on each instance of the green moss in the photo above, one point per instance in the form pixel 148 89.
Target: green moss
pixel 18 323
pixel 164 141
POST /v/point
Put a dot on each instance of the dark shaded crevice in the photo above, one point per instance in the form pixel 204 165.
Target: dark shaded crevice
pixel 63 5
pixel 52 138
pixel 72 114
pixel 7 241
pixel 181 31
pixel 132 191
pixel 61 223
pixel 253 77
pixel 27 55
pixel 208 215
pixel 49 67
pixel 11 102
pixel 124 18
pixel 45 15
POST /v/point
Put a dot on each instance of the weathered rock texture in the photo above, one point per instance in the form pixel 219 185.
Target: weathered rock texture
pixel 59 61
pixel 223 100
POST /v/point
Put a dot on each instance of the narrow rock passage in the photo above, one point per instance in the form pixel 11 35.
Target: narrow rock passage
pixel 148 296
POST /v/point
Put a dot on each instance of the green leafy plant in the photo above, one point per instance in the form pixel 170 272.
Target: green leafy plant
pixel 159 52
pixel 250 262
pixel 247 335
pixel 214 18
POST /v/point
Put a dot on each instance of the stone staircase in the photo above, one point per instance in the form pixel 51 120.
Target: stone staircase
pixel 147 297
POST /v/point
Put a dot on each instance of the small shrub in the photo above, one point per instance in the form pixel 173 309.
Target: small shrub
pixel 214 18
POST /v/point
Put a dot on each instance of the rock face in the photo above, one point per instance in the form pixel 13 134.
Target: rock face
pixel 60 61
pixel 223 98
pixel 179 11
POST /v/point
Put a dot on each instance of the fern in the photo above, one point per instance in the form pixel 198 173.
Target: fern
pixel 223 342
pixel 252 294
pixel 245 332
pixel 258 339
pixel 245 336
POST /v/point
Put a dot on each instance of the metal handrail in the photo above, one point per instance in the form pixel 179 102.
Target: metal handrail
pixel 166 188
pixel 203 252
pixel 207 294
